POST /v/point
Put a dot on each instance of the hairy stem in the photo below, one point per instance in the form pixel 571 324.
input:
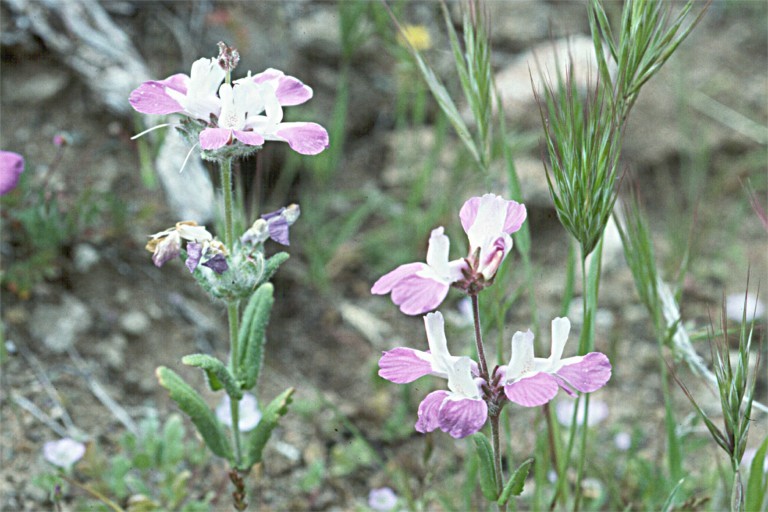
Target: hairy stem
pixel 497 454
pixel 232 306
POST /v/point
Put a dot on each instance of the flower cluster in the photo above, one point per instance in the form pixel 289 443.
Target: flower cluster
pixel 488 222
pixel 527 380
pixel 166 245
pixel 475 393
pixel 248 111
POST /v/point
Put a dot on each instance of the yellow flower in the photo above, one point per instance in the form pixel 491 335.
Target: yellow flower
pixel 417 36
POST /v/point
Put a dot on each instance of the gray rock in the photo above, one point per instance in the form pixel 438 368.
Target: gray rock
pixel 57 326
pixel 134 323
pixel 85 257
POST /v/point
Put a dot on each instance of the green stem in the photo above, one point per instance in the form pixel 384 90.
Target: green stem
pixel 497 455
pixel 479 338
pixel 232 305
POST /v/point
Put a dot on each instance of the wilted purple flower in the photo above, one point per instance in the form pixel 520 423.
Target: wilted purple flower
pixel 382 499
pixel 166 245
pixel 63 453
pixel 272 225
pixel 532 381
pixel 249 413
pixel 11 167
pixel 459 412
pixel 488 221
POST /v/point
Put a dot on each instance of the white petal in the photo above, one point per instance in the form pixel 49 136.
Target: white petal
pixel 522 355
pixel 561 327
pixel 460 379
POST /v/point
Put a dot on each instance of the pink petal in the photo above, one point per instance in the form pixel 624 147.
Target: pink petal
pixel 402 365
pixel 215 138
pixel 464 417
pixel 11 167
pixel 289 91
pixel 587 375
pixel 151 98
pixel 516 215
pixel 304 138
pixel 386 282
pixel 429 408
pixel 249 138
pixel 468 213
pixel 416 295
pixel 177 82
pixel 532 391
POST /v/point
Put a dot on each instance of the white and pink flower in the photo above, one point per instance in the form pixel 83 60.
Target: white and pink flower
pixel 488 221
pixel 461 411
pixel 248 111
pixel 421 287
pixel 531 381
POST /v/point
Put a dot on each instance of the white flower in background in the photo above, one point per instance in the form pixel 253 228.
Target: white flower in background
pixel 250 415
pixel 734 307
pixel 63 453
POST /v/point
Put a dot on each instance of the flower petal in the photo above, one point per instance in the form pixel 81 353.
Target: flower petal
pixel 538 389
pixel 218 264
pixel 429 408
pixel 167 249
pixel 462 417
pixel 289 90
pixel 214 138
pixel 402 365
pixel 589 373
pixel 416 294
pixel 388 281
pixel 468 212
pixel 194 253
pixel 11 167
pixel 304 138
pixel 151 97
pixel 516 215
pixel 249 138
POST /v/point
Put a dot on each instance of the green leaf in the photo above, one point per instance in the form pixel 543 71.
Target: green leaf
pixel 487 472
pixel 272 264
pixel 251 337
pixel 217 372
pixel 514 486
pixel 260 435
pixel 758 480
pixel 670 502
pixel 198 411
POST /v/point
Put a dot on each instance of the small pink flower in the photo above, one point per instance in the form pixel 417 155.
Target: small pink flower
pixel 63 453
pixel 421 287
pixel 459 412
pixel 11 167
pixel 532 381
pixel 382 500
pixel 489 221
